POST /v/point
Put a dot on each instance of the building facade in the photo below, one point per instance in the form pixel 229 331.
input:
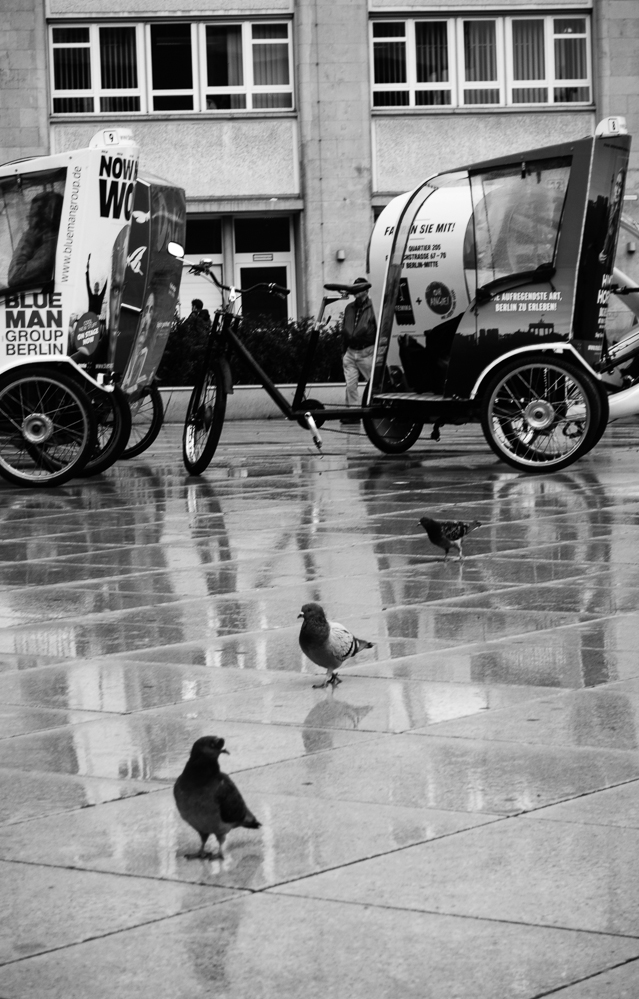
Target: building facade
pixel 291 123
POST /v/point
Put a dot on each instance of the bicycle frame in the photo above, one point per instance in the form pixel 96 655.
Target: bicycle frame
pixel 225 325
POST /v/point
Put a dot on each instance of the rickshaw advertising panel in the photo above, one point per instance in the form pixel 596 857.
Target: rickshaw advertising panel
pixel 130 271
pixel 163 273
pixel 81 220
pixel 599 244
pixel 433 289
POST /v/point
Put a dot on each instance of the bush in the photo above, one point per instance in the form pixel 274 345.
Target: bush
pixel 278 347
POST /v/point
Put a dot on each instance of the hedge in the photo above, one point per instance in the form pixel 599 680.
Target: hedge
pixel 278 347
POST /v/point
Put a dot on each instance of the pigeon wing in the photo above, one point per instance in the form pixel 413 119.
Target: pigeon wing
pixel 341 641
pixel 453 530
pixel 230 801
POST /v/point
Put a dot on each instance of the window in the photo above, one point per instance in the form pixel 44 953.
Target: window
pixel 30 210
pixel 203 240
pixel 171 67
pixel 244 250
pixel 481 61
pixel 95 69
pixel 264 252
pixel 517 212
pixel 248 67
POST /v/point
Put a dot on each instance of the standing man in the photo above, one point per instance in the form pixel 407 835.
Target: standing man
pixel 199 313
pixel 359 332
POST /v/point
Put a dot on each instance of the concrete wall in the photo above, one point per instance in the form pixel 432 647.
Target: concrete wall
pixel 333 101
pixel 617 71
pixel 23 80
pixel 408 148
pixel 209 157
pixel 168 8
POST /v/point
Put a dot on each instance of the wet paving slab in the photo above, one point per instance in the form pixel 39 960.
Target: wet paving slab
pixel 26 794
pixel 534 872
pixel 145 837
pixel 213 951
pixel 463 807
pixel 607 717
pixel 81 905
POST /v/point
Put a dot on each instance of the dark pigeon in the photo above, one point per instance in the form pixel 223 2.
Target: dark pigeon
pixel 208 799
pixel 448 534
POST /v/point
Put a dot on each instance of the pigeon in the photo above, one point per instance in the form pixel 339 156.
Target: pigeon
pixel 448 534
pixel 327 643
pixel 208 799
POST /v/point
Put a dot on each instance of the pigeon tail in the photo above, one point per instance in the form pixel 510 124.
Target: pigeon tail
pixel 361 643
pixel 250 822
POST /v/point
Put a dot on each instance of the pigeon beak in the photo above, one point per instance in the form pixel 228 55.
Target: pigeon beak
pixel 300 615
pixel 225 751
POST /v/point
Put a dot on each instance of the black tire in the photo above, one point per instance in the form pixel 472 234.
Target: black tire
pixel 204 420
pixel 47 426
pixel 314 407
pixel 114 427
pixel 392 434
pixel 148 416
pixel 541 413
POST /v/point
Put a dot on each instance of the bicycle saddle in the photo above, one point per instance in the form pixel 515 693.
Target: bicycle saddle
pixel 349 289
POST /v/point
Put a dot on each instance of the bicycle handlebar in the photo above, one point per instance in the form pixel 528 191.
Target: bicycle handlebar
pixel 206 267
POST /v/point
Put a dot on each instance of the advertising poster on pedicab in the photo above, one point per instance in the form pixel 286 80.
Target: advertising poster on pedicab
pixel 433 290
pixel 129 272
pixel 162 282
pixel 93 191
pixel 99 215
pixel 599 243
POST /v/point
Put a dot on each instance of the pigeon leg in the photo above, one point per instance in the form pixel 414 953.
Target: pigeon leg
pixel 318 686
pixel 335 679
pixel 202 853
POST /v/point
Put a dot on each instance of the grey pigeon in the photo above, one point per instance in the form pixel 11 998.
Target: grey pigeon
pixel 448 534
pixel 327 643
pixel 208 799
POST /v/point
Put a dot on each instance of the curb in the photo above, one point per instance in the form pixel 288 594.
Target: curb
pixel 249 402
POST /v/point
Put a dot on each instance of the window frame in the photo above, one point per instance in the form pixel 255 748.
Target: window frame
pixel 152 92
pixel 248 88
pixel 96 92
pixel 471 85
pixel 505 82
pixel 145 90
pixel 551 81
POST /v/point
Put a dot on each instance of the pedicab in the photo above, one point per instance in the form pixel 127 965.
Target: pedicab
pixel 89 277
pixel 491 285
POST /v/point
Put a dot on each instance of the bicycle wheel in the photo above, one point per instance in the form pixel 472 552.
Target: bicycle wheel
pixel 47 427
pixel 392 434
pixel 204 419
pixel 542 413
pixel 114 427
pixel 148 416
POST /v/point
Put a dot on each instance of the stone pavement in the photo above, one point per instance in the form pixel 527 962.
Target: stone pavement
pixel 459 819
